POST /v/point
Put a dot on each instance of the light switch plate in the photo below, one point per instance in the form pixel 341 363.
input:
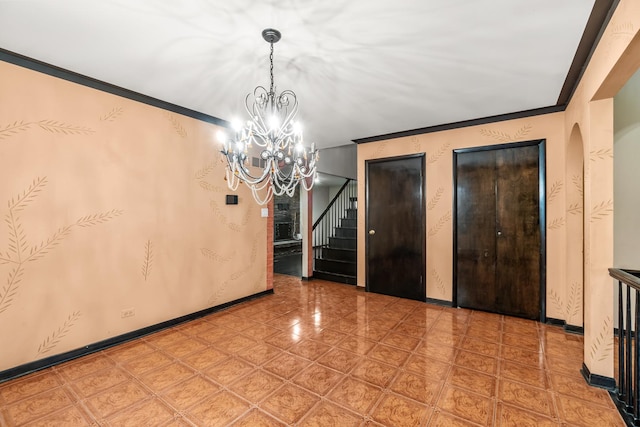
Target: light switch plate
pixel 264 213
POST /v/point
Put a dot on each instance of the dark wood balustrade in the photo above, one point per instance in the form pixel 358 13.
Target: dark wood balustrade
pixel 627 393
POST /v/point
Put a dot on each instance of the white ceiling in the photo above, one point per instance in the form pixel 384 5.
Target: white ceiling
pixel 360 68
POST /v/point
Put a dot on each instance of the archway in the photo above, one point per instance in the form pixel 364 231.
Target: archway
pixel 574 305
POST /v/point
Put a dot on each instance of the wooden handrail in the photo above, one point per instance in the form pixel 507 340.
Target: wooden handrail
pixel 629 277
pixel 315 224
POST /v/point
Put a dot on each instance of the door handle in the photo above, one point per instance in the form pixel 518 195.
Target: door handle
pixel 372 232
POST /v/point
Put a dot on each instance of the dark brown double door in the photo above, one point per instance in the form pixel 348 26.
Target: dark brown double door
pixel 395 220
pixel 499 233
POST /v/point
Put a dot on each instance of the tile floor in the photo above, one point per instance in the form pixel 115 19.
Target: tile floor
pixel 323 354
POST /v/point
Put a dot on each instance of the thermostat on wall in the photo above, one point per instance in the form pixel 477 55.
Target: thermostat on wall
pixel 232 199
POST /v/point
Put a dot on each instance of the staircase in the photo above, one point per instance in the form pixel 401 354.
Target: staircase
pixel 335 237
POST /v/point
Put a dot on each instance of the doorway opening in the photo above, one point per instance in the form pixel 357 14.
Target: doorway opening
pixel 287 237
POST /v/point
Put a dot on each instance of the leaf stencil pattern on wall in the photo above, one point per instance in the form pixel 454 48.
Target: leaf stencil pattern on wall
pixel 505 137
pixel 13 129
pixel 575 209
pixel 99 218
pixel 603 343
pixel 54 339
pixel 554 191
pixel 210 187
pixel 217 295
pixel 622 33
pixel 19 253
pixel 572 308
pixel 439 153
pixel 601 210
pixel 604 153
pixel 438 280
pixel 557 301
pixel 214 256
pixel 177 126
pixel 556 224
pixel 444 219
pixel 202 173
pixel 223 219
pixel 148 260
pixel 433 202
pixel 575 301
pixel 112 115
pixel 577 182
pixel 52 126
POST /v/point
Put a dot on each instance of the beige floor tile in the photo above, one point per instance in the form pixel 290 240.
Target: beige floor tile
pixel 375 372
pixel 477 362
pixel 397 411
pixel 187 393
pixel 326 414
pixel 256 385
pixel 98 381
pixel 417 387
pixel 166 376
pixel 218 409
pixel 475 381
pixel 340 360
pixel 116 399
pixel 37 406
pixel 527 397
pixel 387 354
pixel 290 403
pixel 318 379
pixel 257 418
pixel 287 365
pixel 355 394
pixel 467 405
pixel 28 386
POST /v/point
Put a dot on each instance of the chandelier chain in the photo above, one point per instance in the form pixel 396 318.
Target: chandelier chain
pixel 271 69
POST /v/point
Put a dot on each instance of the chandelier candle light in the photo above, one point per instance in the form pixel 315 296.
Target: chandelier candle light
pixel 272 127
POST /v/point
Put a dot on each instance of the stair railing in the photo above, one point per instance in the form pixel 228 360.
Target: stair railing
pixel 627 393
pixel 330 218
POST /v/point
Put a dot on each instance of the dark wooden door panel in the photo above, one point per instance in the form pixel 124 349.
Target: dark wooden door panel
pixel 475 219
pixel 498 240
pixel 395 213
pixel 518 231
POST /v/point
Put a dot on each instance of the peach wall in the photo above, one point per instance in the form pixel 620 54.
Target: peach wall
pixel 615 59
pixel 111 205
pixel 438 148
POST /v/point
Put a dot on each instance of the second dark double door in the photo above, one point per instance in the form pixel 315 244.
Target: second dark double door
pixel 499 239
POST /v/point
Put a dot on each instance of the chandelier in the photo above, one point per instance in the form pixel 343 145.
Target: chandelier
pixel 284 161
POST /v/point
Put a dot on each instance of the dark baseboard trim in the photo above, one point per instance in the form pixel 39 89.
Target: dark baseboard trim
pixel 622 408
pixel 440 302
pixel 555 322
pixel 52 70
pixel 572 329
pixel 597 380
pixel 306 278
pixel 37 365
